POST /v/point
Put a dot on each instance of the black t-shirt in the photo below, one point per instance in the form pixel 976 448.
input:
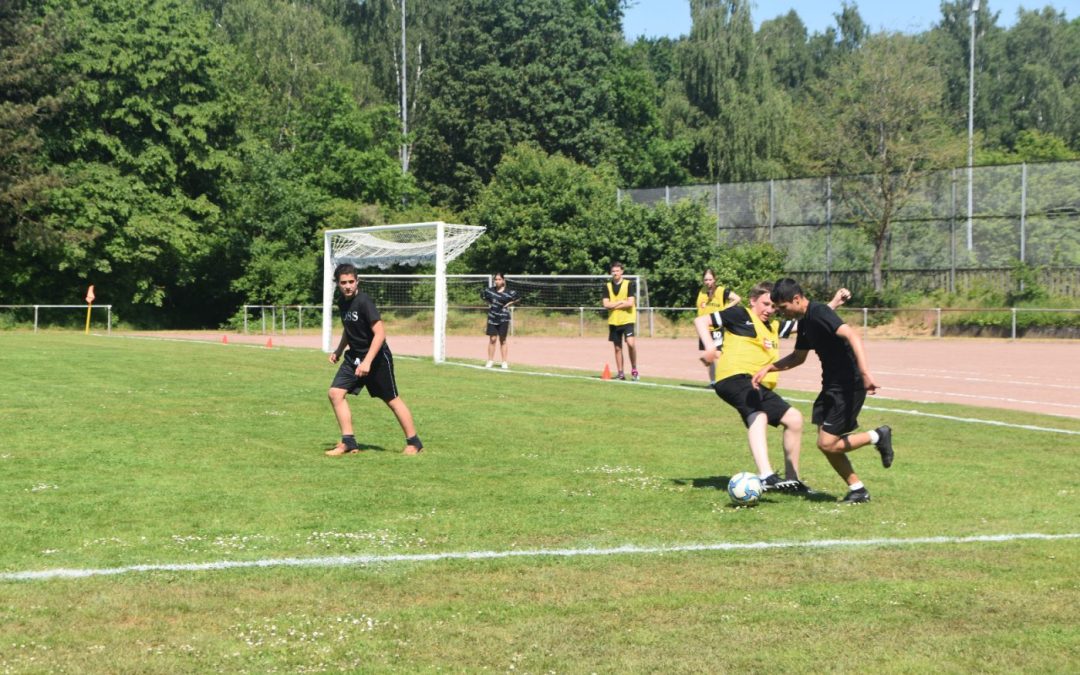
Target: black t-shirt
pixel 357 317
pixel 736 320
pixel 817 331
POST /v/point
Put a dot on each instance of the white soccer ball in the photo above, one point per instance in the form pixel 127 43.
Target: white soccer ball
pixel 744 488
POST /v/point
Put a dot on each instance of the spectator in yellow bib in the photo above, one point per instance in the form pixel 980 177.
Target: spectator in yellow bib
pixel 712 298
pixel 620 302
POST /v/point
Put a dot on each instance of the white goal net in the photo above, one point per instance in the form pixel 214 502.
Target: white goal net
pixel 383 246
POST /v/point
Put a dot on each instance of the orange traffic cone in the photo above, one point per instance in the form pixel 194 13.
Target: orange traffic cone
pixel 224 339
pixel 606 375
pixel 269 343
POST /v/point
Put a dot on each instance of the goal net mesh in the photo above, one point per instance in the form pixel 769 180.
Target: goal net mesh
pixel 415 244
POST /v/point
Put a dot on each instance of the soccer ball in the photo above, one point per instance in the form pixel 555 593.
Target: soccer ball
pixel 744 488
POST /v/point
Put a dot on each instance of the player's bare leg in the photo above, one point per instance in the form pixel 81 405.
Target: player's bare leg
pixel 491 349
pixel 618 358
pixel 792 422
pixel 836 449
pixel 631 345
pixel 405 419
pixel 757 435
pixel 343 414
pixel 504 349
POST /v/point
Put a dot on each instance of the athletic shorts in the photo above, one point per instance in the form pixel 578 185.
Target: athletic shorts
pixel 617 333
pixel 379 380
pixel 499 329
pixel 836 410
pixel 738 392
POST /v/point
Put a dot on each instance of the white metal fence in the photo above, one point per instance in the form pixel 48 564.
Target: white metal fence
pixel 37 312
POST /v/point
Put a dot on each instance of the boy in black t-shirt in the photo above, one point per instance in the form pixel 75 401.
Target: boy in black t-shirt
pixel 367 363
pixel 845 381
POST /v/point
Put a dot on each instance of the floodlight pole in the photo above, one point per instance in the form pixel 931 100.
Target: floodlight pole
pixel 404 98
pixel 971 122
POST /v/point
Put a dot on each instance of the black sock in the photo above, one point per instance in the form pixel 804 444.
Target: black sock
pixel 415 442
pixel 350 442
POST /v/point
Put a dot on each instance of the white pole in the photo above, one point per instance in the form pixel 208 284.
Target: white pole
pixel 404 98
pixel 971 122
pixel 439 346
pixel 328 293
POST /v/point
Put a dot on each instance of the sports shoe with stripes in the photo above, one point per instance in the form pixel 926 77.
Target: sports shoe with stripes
pixel 884 445
pixel 860 496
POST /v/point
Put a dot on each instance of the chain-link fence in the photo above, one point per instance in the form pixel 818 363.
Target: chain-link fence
pixel 1023 212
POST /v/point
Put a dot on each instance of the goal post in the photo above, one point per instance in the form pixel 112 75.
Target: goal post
pixel 383 246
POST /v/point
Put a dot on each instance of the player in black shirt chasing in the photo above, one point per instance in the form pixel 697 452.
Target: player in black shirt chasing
pixel 845 381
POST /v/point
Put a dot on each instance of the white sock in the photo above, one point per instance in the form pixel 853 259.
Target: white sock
pixel 857 485
pixel 874 436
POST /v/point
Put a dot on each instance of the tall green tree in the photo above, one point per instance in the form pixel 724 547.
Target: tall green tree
pixel 141 142
pixel 533 70
pixel 879 122
pixel 29 88
pixel 746 116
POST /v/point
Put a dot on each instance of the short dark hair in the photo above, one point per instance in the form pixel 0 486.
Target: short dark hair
pixel 344 268
pixel 761 289
pixel 498 274
pixel 785 290
pixel 615 264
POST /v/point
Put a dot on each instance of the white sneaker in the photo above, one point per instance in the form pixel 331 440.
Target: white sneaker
pixel 488 364
pixel 505 366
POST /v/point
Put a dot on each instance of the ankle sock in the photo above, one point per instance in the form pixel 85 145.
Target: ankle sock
pixel 415 442
pixel 857 486
pixel 350 442
pixel 874 436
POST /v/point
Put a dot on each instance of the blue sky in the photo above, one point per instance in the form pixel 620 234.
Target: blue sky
pixel 656 18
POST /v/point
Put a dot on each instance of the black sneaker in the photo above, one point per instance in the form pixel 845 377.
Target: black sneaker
pixel 884 445
pixel 771 482
pixel 860 496
pixel 792 485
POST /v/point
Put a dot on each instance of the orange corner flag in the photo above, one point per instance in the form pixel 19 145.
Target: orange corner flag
pixel 89 303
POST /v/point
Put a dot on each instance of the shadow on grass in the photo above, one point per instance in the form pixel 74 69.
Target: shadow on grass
pixel 362 447
pixel 721 483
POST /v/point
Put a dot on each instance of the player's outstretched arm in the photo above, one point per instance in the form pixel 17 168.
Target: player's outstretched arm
pixel 336 354
pixel 842 296
pixel 792 360
pixel 702 325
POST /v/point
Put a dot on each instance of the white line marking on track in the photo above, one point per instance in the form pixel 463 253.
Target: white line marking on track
pixel 677 387
pixel 1010 382
pixel 629 549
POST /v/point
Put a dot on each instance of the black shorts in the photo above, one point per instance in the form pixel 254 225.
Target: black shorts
pixel 499 329
pixel 738 392
pixel 617 333
pixel 379 380
pixel 836 410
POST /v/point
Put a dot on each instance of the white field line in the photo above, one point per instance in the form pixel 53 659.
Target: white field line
pixel 917 413
pixel 589 378
pixel 1010 382
pixel 628 549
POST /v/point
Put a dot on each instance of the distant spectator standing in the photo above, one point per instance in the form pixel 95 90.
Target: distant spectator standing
pixel 620 300
pixel 499 299
pixel 710 299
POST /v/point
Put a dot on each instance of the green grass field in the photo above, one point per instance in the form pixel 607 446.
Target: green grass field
pixel 118 452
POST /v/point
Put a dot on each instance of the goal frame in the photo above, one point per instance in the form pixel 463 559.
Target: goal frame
pixel 440 258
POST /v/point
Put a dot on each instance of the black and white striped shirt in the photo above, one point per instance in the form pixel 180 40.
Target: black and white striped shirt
pixel 497 300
